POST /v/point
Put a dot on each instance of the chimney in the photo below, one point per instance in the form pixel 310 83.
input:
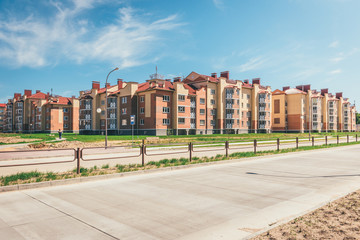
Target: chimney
pixel 107 84
pixel 307 87
pixel 120 83
pixel 286 88
pixel 323 91
pixel 27 92
pixel 177 79
pixel 17 96
pixel 300 87
pixel 214 75
pixel 225 74
pixel 95 85
pixel 339 95
pixel 37 91
pixel 246 81
pixel 256 81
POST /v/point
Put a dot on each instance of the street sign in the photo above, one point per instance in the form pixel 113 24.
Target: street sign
pixel 132 119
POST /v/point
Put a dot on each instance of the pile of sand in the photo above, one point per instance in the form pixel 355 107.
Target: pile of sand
pixel 337 220
pixel 16 139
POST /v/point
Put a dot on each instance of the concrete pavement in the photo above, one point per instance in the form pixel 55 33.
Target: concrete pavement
pixel 222 201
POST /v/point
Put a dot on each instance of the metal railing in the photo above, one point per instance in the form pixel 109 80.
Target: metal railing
pixel 123 152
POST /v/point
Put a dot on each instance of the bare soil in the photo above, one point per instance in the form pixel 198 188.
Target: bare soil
pixel 75 144
pixel 337 220
pixel 16 139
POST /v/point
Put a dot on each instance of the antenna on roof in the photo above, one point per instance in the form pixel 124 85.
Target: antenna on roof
pixel 156 69
pixel 51 92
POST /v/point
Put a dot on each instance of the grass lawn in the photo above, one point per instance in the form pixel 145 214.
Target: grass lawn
pixel 173 138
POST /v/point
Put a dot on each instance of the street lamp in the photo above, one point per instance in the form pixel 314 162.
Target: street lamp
pixel 106 103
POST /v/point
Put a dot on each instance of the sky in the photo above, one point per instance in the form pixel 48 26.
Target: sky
pixel 65 45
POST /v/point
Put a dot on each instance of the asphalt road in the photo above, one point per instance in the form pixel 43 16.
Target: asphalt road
pixel 64 159
pixel 222 201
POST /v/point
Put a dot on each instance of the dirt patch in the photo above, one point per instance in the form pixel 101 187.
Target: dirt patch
pixel 74 144
pixel 16 139
pixel 337 220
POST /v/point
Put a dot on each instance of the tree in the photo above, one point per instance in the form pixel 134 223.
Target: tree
pixel 357 118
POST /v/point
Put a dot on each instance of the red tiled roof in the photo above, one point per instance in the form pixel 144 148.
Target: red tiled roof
pixel 2 105
pixel 278 92
pixel 60 101
pixel 39 95
pixel 191 90
pixel 247 85
pixel 102 90
pixel 146 86
pixel 196 77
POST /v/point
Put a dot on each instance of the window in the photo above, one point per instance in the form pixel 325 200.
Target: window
pixel 166 121
pixel 65 125
pixel 202 122
pixel 277 120
pixel 181 109
pixel 124 122
pixel 65 110
pixel 277 106
pixel 142 99
pixel 103 113
pixel 242 123
pixel 202 100
pixel 181 98
pixel 248 123
pixel 47 110
pixel 142 110
pixel 212 101
pixel 124 100
pixel 202 111
pixel 238 101
pixel 248 105
pixel 238 91
pixel 166 98
pixel 141 121
pixel 248 96
pixel 213 112
pixel 102 102
pixel 181 120
pixel 166 110
pixel 212 91
pixel 66 118
pixel 212 122
pixel 123 111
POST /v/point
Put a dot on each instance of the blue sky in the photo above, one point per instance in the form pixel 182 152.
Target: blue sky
pixel 65 45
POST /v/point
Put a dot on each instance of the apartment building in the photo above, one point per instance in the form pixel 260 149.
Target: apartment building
pixel 122 103
pixel 302 109
pixel 2 116
pixel 202 104
pixel 41 112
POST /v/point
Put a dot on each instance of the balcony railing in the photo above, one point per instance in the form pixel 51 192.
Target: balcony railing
pixel 230 116
pixel 192 125
pixel 192 104
pixel 262 109
pixel 262 100
pixel 262 126
pixel 192 115
pixel 228 125
pixel 261 117
pixel 229 96
pixel 229 106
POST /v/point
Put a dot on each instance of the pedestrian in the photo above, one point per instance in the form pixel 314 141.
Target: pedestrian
pixel 60 133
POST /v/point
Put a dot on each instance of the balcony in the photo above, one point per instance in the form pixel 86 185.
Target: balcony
pixel 87 107
pixel 192 126
pixel 192 115
pixel 192 104
pixel 262 100
pixel 262 117
pixel 112 116
pixel 262 126
pixel 228 125
pixel 262 109
pixel 229 106
pixel 112 105
pixel 229 96
pixel 229 116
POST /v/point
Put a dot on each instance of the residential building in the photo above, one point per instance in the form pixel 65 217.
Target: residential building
pixel 2 116
pixel 41 112
pixel 120 106
pixel 302 109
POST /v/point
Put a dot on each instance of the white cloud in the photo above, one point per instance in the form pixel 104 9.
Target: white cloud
pixel 125 42
pixel 219 4
pixel 337 71
pixel 253 64
pixel 336 59
pixel 4 99
pixel 334 44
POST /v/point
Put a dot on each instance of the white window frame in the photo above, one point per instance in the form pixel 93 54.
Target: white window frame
pixel 181 109
pixel 166 121
pixel 124 100
pixel 166 110
pixel 166 98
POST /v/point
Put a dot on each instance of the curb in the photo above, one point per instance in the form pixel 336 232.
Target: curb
pixel 62 182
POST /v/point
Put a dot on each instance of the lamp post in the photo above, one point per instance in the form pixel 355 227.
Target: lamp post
pixel 106 103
